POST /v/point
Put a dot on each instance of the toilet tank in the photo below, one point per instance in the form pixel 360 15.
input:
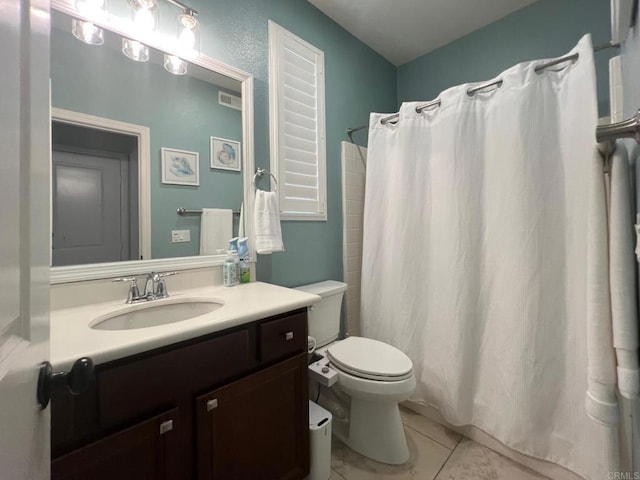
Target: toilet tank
pixel 324 316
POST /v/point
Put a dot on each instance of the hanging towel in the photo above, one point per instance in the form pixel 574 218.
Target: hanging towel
pixel 622 259
pixel 601 402
pixel 267 223
pixel 216 227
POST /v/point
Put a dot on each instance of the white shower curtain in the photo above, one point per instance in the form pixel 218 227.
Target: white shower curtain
pixel 474 256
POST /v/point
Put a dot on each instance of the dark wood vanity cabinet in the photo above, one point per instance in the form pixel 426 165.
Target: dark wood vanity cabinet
pixel 231 405
pixel 251 428
pixel 147 450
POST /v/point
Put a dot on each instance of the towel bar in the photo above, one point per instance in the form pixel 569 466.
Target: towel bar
pixel 183 212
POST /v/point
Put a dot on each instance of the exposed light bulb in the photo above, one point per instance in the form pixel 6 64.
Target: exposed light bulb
pixel 91 7
pixel 144 20
pixel 188 34
pixel 175 65
pixel 187 39
pixel 135 50
pixel 87 32
pixel 144 15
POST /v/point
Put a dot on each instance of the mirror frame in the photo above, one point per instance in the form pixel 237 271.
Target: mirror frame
pixel 96 271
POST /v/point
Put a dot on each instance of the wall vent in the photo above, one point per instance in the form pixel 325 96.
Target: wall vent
pixel 229 100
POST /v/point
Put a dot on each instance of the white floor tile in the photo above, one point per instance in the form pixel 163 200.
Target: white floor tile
pixel 429 428
pixel 472 461
pixel 335 475
pixel 426 459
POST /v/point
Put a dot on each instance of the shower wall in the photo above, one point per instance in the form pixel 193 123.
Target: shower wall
pixel 354 159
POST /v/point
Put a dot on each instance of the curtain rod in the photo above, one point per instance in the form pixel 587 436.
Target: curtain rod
pixel 473 90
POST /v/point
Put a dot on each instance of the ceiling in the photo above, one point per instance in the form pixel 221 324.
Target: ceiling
pixel 402 30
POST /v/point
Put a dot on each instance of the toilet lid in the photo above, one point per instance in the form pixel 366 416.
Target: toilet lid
pixel 367 358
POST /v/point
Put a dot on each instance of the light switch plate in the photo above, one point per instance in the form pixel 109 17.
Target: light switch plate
pixel 180 236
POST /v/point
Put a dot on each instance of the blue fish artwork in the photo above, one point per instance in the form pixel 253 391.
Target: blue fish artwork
pixel 180 167
pixel 227 155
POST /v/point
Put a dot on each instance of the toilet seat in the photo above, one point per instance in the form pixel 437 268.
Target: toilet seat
pixel 370 359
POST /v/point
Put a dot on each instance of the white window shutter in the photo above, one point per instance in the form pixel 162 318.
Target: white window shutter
pixel 297 125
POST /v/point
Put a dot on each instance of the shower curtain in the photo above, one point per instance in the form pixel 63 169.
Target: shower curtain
pixel 475 251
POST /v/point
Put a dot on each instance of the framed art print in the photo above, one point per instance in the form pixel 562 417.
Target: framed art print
pixel 225 154
pixel 180 167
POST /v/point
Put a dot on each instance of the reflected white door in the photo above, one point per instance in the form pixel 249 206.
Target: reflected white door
pixel 90 208
pixel 24 236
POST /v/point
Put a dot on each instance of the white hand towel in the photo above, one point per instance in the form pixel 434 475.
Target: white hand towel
pixel 216 229
pixel 267 223
pixel 601 402
pixel 622 276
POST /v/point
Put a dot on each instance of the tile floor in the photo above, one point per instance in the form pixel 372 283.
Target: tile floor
pixel 436 452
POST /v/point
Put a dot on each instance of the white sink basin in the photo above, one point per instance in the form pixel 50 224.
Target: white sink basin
pixel 155 313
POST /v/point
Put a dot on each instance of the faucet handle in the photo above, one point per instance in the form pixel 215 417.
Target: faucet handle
pixel 134 293
pixel 167 274
pixel 161 286
pixel 125 279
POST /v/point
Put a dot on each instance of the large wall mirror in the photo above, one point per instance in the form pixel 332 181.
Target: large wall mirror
pixel 133 142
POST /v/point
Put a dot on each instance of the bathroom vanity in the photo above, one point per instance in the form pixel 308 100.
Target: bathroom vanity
pixel 231 403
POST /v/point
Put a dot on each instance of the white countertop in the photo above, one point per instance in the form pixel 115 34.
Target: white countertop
pixel 72 337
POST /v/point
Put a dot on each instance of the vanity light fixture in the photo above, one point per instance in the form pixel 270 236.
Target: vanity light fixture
pixel 175 65
pixel 144 15
pixel 143 26
pixel 87 31
pixel 91 8
pixel 135 50
pixel 189 32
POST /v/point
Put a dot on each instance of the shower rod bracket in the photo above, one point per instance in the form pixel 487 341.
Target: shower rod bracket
pixel 629 128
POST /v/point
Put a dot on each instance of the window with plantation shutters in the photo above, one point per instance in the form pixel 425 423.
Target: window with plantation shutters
pixel 297 125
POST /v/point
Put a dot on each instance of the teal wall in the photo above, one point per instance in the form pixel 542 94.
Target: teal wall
pixel 547 28
pixel 358 81
pixel 181 112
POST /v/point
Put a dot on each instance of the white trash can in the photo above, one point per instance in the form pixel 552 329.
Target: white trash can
pixel 320 442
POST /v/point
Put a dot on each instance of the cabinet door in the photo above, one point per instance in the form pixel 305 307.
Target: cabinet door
pixel 146 451
pixel 256 428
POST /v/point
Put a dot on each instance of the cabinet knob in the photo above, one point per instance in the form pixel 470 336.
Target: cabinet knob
pixel 288 336
pixel 211 404
pixel 166 426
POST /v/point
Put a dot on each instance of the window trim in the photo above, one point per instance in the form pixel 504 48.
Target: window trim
pixel 277 36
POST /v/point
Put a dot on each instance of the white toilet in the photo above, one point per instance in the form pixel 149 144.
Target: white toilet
pixel 373 378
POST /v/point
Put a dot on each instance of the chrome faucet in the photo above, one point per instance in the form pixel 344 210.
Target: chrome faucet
pixel 155 287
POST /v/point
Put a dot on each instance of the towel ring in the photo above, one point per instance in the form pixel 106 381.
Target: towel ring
pixel 260 173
